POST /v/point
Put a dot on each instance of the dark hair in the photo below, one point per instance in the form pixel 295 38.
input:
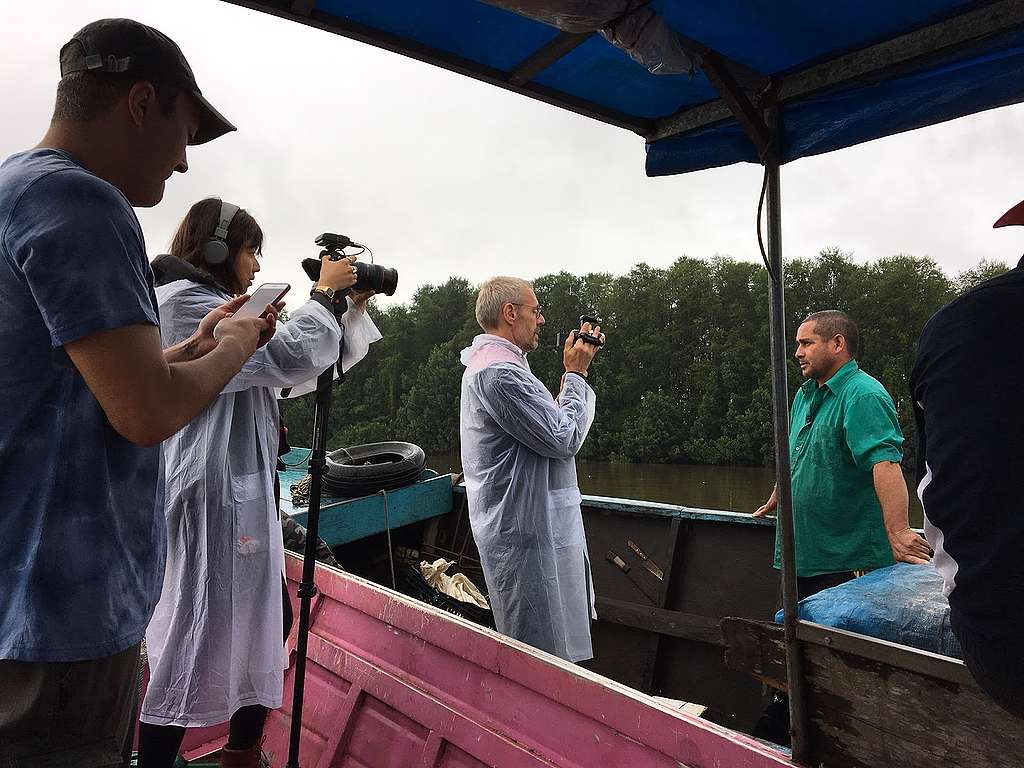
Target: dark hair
pixel 85 96
pixel 197 228
pixel 830 322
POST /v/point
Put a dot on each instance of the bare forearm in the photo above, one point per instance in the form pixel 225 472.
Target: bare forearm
pixel 176 395
pixel 191 348
pixel 193 384
pixel 891 489
pixel 146 398
pixel 768 506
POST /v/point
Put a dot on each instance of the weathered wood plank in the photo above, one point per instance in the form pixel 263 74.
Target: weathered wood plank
pixel 651 676
pixel 875 704
pixel 345 521
pixel 900 656
pixel 659 509
pixel 757 648
pixel 870 713
pixel 688 626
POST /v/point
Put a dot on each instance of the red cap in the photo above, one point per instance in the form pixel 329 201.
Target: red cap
pixel 1013 216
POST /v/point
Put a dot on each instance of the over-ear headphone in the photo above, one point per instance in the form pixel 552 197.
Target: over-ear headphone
pixel 215 251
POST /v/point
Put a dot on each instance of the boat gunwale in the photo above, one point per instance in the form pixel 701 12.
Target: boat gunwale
pixel 529 667
pixel 663 509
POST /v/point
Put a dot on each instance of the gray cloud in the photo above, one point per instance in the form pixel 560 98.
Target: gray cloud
pixel 442 175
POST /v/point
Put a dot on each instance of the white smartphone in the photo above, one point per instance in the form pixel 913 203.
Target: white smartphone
pixel 268 293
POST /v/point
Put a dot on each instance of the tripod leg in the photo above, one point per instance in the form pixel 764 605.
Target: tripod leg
pixel 307 588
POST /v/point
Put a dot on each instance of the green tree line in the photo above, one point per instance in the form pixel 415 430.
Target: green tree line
pixel 685 375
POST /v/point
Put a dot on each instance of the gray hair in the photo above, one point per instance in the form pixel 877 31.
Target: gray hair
pixel 832 322
pixel 495 294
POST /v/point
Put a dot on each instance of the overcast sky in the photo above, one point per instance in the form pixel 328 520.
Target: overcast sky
pixel 442 175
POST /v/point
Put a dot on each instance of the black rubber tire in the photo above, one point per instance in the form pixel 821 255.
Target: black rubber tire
pixel 366 469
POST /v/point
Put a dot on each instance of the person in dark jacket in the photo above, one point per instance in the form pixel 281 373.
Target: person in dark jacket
pixel 966 386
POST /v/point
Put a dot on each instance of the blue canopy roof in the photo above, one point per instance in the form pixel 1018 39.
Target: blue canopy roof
pixel 842 73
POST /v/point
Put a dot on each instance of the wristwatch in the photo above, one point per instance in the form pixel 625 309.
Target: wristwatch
pixel 330 299
pixel 329 293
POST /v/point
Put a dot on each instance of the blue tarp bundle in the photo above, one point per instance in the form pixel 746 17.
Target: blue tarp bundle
pixel 902 603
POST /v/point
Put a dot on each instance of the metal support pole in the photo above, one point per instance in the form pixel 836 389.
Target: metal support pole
pixel 784 494
pixel 307 588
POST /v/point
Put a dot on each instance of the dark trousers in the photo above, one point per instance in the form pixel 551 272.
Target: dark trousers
pixel 75 714
pixel 996 667
pixel 774 723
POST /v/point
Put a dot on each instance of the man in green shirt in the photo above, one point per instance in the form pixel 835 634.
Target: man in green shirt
pixel 845 445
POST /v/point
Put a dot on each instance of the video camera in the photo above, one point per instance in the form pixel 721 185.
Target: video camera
pixel 587 338
pixel 369 277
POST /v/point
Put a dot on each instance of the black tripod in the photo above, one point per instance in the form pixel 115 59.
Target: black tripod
pixel 307 588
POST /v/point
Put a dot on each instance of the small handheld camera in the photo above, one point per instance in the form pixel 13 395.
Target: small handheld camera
pixel 587 338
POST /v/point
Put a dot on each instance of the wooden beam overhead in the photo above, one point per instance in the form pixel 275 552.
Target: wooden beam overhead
pixel 746 78
pixel 346 28
pixel 545 56
pixel 739 103
pixel 995 19
pixel 737 85
pixel 303 7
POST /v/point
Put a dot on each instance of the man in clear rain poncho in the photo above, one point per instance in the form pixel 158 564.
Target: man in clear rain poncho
pixel 518 452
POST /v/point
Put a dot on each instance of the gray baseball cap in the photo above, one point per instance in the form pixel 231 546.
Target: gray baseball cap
pixel 123 46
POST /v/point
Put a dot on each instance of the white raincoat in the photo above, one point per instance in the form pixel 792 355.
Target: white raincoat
pixel 518 452
pixel 215 642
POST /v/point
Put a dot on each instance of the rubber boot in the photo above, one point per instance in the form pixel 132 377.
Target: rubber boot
pixel 252 757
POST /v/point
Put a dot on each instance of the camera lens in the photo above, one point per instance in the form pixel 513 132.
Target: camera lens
pixel 373 277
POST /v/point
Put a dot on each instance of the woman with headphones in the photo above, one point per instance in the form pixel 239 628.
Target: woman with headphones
pixel 215 645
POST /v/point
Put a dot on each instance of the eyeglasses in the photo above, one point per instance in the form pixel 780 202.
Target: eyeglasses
pixel 535 308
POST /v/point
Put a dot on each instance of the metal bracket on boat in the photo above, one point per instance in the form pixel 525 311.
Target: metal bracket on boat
pixel 307 589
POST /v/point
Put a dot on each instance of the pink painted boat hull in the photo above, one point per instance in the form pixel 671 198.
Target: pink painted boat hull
pixel 392 682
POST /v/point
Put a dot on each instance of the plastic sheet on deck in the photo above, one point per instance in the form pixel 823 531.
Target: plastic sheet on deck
pixel 902 604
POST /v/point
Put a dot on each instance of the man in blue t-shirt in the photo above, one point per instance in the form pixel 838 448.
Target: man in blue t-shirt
pixel 88 393
pixel 966 386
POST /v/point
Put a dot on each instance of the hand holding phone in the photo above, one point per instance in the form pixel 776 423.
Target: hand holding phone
pixel 268 293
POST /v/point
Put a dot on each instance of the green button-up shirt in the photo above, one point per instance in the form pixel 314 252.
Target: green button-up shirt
pixel 837 433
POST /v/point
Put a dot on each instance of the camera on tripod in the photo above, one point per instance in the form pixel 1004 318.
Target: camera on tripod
pixel 369 277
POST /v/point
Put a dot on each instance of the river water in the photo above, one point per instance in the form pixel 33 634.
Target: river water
pixel 736 489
